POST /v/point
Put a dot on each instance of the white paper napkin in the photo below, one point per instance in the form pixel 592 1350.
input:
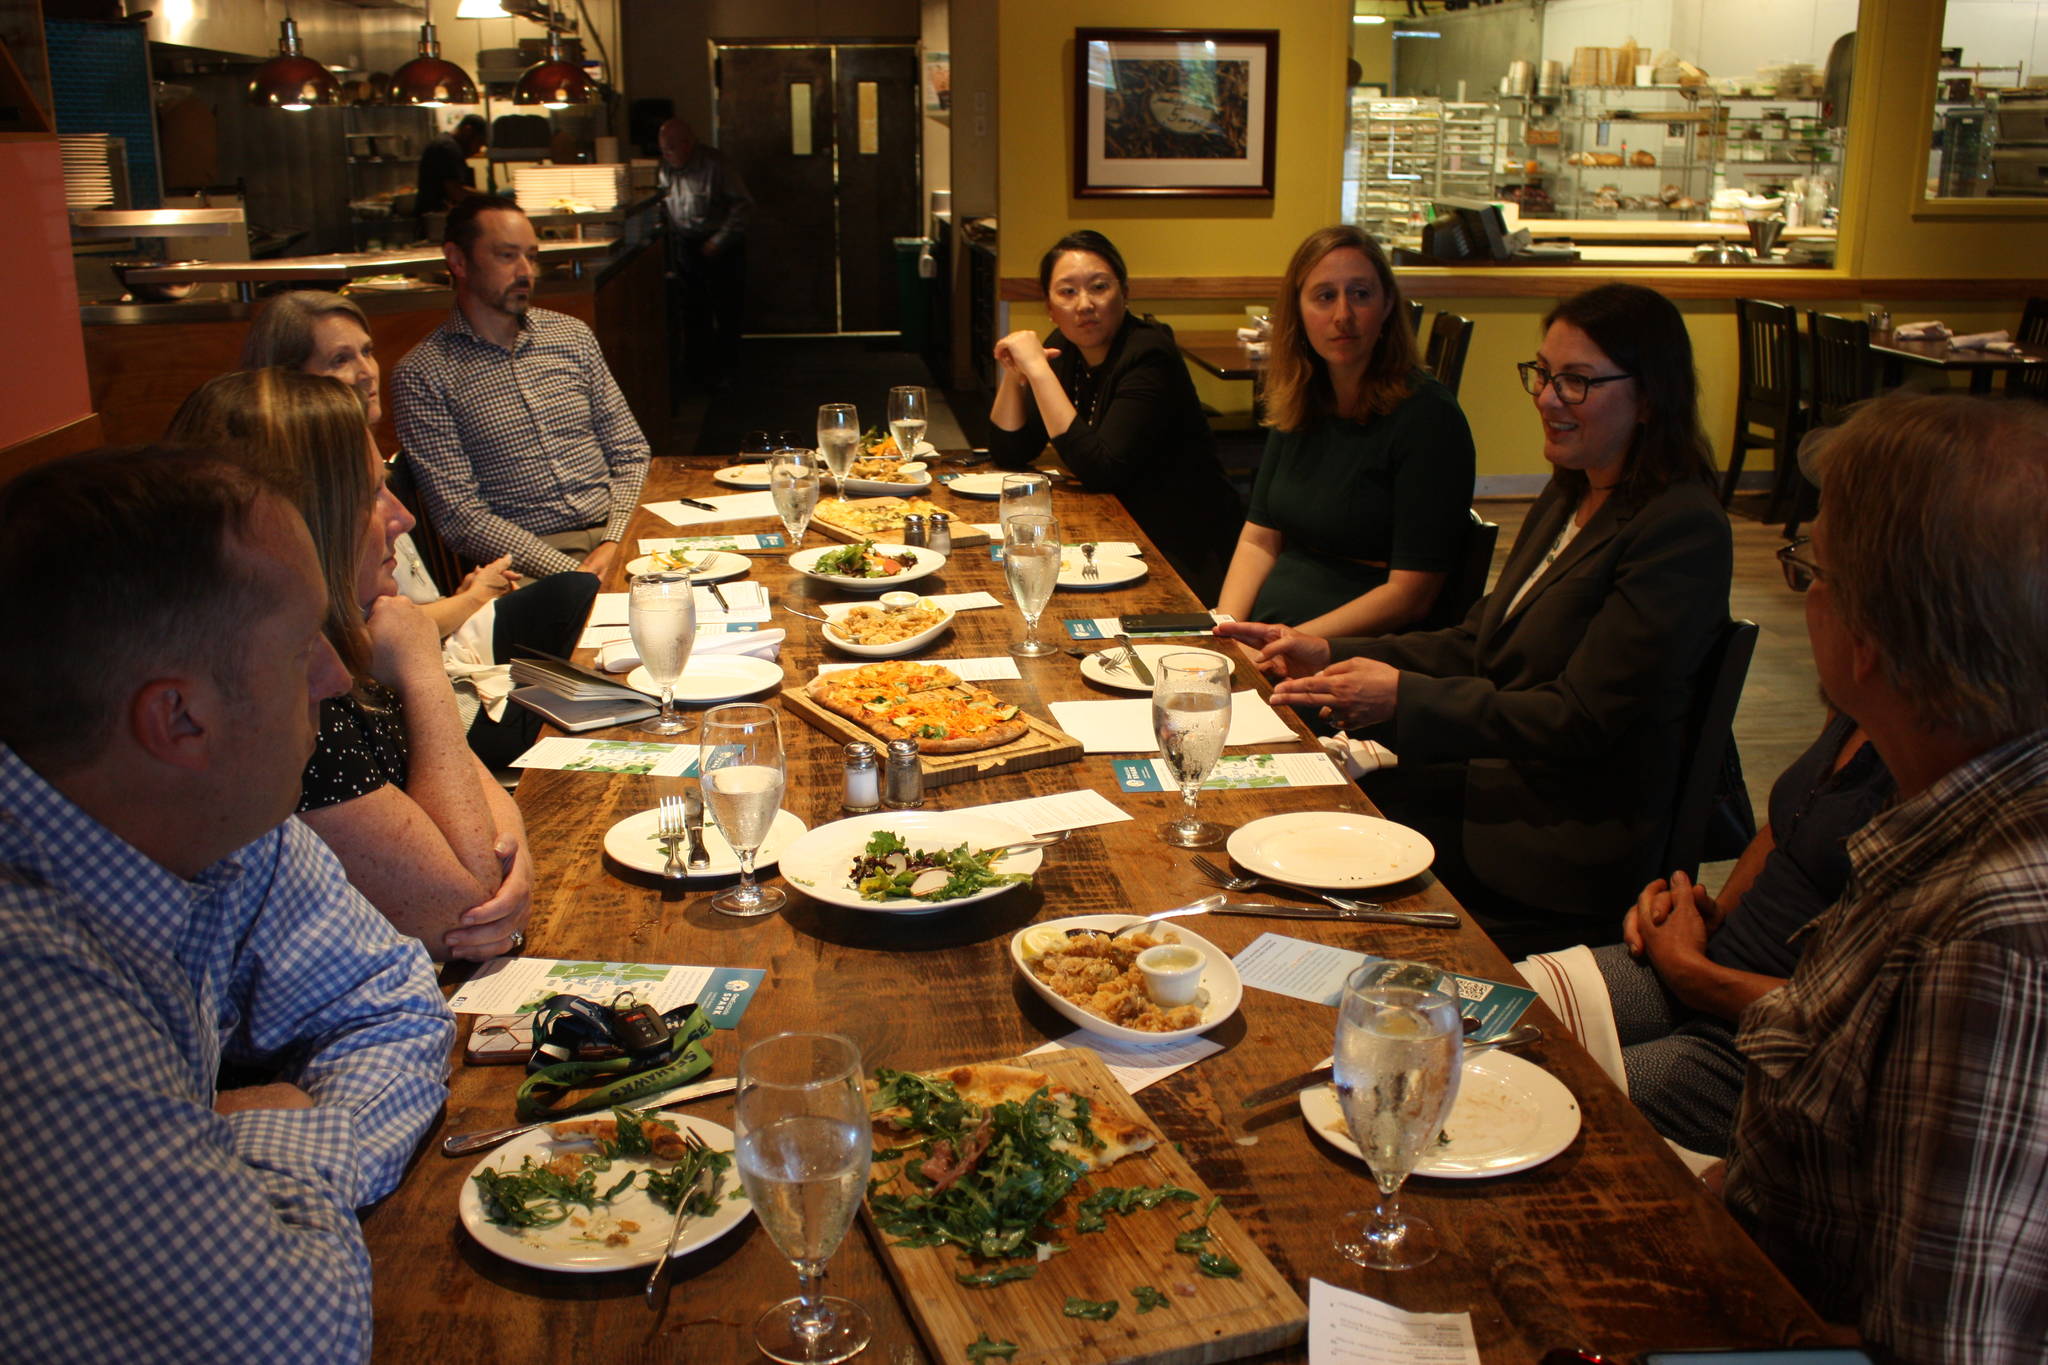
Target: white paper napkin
pixel 1921 331
pixel 1980 341
pixel 1124 726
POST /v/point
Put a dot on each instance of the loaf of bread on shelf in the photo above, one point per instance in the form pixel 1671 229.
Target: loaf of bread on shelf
pixel 1642 159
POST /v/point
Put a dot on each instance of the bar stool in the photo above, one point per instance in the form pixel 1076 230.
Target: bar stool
pixel 1767 337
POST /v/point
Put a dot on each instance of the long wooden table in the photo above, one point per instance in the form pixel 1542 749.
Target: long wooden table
pixel 1611 1246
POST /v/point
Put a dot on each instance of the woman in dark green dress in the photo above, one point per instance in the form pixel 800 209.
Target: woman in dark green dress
pixel 1360 506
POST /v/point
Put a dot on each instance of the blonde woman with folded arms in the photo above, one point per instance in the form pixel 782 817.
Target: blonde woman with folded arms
pixel 422 828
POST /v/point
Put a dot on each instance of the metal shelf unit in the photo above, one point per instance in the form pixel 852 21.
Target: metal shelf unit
pixel 1409 151
pixel 1678 126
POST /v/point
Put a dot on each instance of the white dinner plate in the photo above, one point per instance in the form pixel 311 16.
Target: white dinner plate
pixel 984 485
pixel 1511 1115
pixel 718 566
pixel 744 475
pixel 821 862
pixel 1220 993
pixel 1330 849
pixel 910 645
pixel 632 842
pixel 1116 570
pixel 928 562
pixel 714 677
pixel 1095 667
pixel 571 1246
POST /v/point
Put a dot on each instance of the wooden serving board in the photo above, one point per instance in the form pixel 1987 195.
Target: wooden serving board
pixel 963 533
pixel 1205 1320
pixel 1044 747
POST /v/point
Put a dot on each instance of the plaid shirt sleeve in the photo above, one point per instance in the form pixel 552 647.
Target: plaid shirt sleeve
pixel 427 432
pixel 625 447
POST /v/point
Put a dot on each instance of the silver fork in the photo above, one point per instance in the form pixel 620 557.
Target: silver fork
pixel 669 829
pixel 1110 663
pixel 696 1146
pixel 1090 571
pixel 1230 883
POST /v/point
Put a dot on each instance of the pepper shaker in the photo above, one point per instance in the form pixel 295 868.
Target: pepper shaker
pixel 863 780
pixel 914 531
pixel 905 789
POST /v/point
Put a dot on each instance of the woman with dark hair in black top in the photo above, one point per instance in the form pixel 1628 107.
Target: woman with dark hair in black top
pixel 1112 395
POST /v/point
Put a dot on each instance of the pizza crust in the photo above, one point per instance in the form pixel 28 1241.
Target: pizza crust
pixel 921 702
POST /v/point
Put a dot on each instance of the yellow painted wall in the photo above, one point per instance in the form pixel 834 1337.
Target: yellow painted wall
pixel 1168 236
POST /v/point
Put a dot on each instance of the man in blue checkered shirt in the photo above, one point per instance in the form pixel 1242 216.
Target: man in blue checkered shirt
pixel 520 439
pixel 162 916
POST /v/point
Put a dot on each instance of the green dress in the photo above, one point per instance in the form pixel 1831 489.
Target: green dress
pixel 1355 500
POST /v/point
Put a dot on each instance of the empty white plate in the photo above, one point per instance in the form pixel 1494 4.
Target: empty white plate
pixel 1511 1115
pixel 1330 849
pixel 714 677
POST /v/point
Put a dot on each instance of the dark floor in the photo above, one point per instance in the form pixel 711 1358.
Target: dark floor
pixel 781 381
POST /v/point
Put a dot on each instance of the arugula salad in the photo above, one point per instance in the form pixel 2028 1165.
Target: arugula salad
pixel 863 560
pixel 889 869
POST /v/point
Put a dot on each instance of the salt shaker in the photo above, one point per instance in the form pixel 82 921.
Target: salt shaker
pixel 863 780
pixel 914 532
pixel 905 790
pixel 938 533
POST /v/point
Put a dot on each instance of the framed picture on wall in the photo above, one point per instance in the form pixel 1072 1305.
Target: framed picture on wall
pixel 1186 112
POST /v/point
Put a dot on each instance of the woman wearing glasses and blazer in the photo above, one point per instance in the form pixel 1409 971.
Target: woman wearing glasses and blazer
pixel 1540 739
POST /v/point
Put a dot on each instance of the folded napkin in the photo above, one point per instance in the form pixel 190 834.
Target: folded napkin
pixel 1124 726
pixel 1921 331
pixel 1982 341
pixel 619 656
pixel 1357 757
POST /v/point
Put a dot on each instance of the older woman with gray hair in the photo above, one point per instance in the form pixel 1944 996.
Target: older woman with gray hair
pixel 490 614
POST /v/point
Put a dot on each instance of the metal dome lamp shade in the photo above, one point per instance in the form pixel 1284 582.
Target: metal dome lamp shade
pixel 427 80
pixel 556 82
pixel 291 80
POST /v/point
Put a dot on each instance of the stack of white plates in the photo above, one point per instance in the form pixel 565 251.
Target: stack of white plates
pixel 540 188
pixel 88 179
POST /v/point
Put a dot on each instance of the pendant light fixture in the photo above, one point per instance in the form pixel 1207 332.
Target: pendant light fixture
pixel 555 82
pixel 427 80
pixel 480 9
pixel 291 80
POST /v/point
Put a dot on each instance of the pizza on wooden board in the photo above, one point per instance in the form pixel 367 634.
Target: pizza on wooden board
pixel 984 1085
pixel 922 702
pixel 872 516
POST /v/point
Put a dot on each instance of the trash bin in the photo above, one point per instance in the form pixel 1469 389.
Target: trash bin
pixel 913 292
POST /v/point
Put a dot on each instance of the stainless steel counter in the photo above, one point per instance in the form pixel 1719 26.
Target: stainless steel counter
pixel 344 266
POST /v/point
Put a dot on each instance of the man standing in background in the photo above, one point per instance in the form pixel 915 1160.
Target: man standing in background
pixel 445 176
pixel 708 209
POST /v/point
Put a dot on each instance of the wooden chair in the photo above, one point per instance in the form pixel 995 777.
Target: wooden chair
pixel 1450 336
pixel 447 568
pixel 1704 826
pixel 1767 337
pixel 1844 375
pixel 1415 316
pixel 1467 583
pixel 2033 381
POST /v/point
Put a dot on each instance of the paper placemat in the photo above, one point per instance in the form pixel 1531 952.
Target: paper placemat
pixel 1233 772
pixel 1347 1328
pixel 1134 1065
pixel 1124 726
pixel 1061 810
pixel 749 604
pixel 611 756
pixel 726 507
pixel 738 542
pixel 1316 972
pixel 597 637
pixel 518 985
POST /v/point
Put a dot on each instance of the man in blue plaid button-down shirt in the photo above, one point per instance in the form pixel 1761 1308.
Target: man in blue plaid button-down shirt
pixel 157 921
pixel 517 433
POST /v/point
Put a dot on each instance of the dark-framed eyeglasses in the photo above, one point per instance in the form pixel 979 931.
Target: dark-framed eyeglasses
pixel 1800 572
pixel 1571 388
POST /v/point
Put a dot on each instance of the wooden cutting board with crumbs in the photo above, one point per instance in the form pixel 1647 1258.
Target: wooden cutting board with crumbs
pixel 1204 1318
pixel 1045 747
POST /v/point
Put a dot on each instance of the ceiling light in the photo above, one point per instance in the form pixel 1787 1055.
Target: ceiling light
pixel 1417 33
pixel 480 9
pixel 1368 18
pixel 427 80
pixel 555 82
pixel 291 80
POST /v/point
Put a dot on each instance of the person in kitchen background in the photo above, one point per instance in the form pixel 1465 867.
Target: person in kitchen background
pixel 445 176
pixel 707 209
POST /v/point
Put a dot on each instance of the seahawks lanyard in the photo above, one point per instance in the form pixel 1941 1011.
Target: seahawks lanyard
pixel 564 1022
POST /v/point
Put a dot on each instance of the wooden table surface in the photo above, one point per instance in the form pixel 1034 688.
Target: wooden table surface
pixel 1611 1246
pixel 1220 353
pixel 1980 366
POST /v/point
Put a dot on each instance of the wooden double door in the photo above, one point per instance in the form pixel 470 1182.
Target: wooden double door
pixel 826 136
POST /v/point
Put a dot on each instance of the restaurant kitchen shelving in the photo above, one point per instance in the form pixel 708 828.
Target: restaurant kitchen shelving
pixel 1651 137
pixel 1410 151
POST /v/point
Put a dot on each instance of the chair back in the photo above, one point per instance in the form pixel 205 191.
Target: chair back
pixel 1843 373
pixel 1767 346
pixel 1449 338
pixel 1709 747
pixel 2033 381
pixel 1415 317
pixel 447 568
pixel 1467 583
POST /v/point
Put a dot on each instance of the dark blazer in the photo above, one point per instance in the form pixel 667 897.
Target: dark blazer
pixel 1569 714
pixel 1148 443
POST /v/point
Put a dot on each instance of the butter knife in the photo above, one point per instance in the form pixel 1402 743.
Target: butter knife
pixel 1514 1037
pixel 462 1144
pixel 1138 665
pixel 693 825
pixel 1436 919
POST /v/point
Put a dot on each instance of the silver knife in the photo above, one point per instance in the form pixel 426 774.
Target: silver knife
pixel 1514 1037
pixel 693 825
pixel 1437 919
pixel 462 1144
pixel 1137 664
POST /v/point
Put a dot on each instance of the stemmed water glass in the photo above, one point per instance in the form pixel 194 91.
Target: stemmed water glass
pixel 1031 563
pixel 908 417
pixel 838 440
pixel 1191 717
pixel 793 477
pixel 1029 491
pixel 661 614
pixel 1399 1052
pixel 804 1147
pixel 739 765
